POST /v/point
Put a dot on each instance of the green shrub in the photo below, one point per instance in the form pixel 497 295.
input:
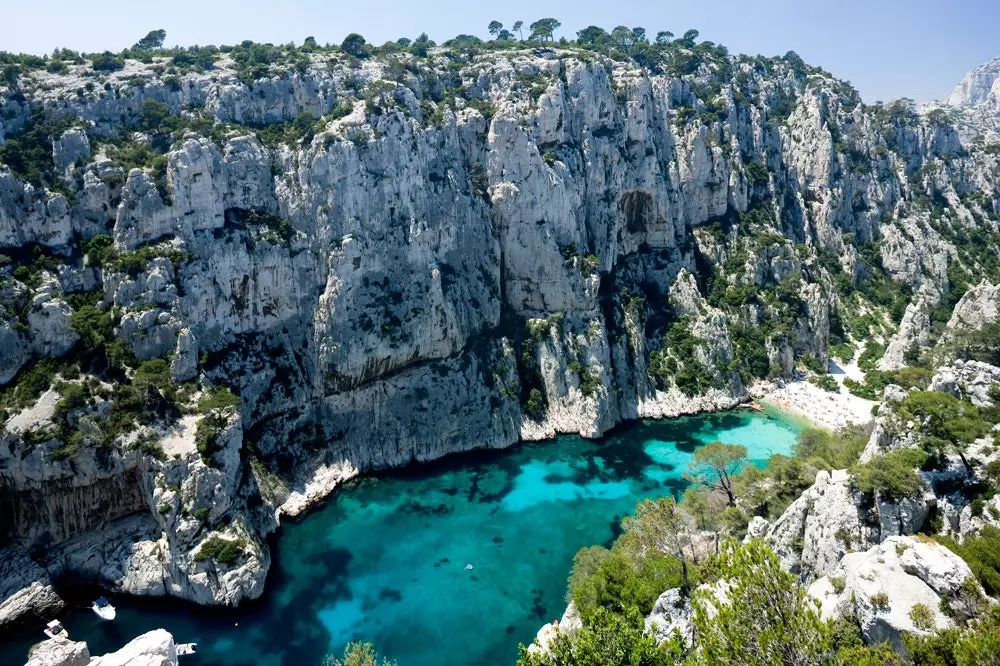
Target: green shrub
pixel 34 379
pixel 359 654
pixel 223 551
pixel 220 397
pixel 607 639
pixel 879 600
pixel 752 623
pixel 982 553
pixel 871 355
pixel 870 655
pixel 613 580
pixel 74 396
pixel 832 450
pixel 813 364
pixel 94 326
pixel 892 475
pixel 876 380
pixel 156 373
pixel 206 436
pixel 29 152
pixel 108 62
pixel 922 617
pixel 757 172
pixel 825 382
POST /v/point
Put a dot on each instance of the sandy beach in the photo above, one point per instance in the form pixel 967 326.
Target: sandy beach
pixel 805 400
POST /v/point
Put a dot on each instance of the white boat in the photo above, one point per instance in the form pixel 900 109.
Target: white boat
pixel 187 648
pixel 54 629
pixel 103 609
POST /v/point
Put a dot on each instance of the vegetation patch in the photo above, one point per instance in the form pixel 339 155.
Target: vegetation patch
pixel 223 551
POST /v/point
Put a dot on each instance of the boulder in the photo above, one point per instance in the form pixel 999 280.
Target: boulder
pixel 881 587
pixel 59 652
pixel 570 623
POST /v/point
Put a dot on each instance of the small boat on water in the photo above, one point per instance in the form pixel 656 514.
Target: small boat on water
pixel 54 629
pixel 103 609
pixel 187 648
pixel 752 405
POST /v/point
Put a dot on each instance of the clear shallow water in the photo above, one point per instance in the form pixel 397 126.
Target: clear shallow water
pixel 385 561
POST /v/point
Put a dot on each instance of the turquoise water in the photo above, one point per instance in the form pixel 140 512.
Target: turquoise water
pixel 385 561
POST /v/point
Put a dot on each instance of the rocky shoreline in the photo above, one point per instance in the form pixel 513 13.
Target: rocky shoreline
pixel 155 648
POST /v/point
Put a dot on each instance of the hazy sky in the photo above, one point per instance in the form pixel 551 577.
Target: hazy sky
pixel 886 48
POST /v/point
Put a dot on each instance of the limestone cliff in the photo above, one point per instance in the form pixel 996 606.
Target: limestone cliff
pixel 398 257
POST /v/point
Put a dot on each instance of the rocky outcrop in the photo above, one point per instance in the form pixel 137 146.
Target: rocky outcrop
pixel 881 587
pixel 976 308
pixel 567 626
pixel 137 524
pixel 25 588
pixel 913 334
pixel 889 431
pixel 831 519
pixel 974 381
pixel 671 615
pixel 154 648
pixel 59 652
pixel 68 149
pixel 978 86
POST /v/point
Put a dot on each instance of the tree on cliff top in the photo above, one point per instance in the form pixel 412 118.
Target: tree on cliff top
pixel 658 527
pixel 542 29
pixel 355 45
pixel 715 464
pixel 152 40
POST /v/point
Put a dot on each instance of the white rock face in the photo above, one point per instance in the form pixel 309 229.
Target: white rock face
pixel 977 86
pixel 967 380
pixel 25 587
pixel 976 308
pixel 59 652
pixel 184 366
pixel 73 145
pixel 831 519
pixel 888 433
pixel 907 571
pixel 671 613
pixel 155 648
pixel 820 526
